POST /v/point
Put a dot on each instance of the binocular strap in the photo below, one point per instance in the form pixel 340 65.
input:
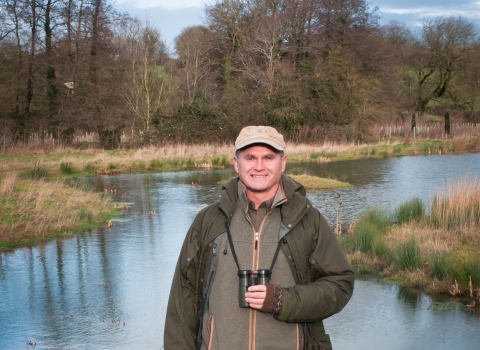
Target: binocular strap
pixel 232 248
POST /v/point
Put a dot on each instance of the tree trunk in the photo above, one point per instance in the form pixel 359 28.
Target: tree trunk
pixel 447 123
pixel 30 73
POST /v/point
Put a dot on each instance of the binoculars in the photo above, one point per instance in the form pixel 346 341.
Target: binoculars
pixel 247 278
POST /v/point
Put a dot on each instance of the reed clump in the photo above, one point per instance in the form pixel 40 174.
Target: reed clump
pixel 37 209
pixel 432 247
pixel 457 206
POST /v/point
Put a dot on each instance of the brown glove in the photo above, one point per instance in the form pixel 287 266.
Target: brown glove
pixel 273 299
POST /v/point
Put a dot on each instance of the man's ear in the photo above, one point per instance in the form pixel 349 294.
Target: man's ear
pixel 235 163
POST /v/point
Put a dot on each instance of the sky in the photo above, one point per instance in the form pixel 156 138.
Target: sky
pixel 172 16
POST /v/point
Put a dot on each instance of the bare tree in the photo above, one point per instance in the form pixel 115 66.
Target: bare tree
pixel 192 47
pixel 147 90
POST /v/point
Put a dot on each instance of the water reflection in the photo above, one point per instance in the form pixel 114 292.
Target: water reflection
pixel 66 293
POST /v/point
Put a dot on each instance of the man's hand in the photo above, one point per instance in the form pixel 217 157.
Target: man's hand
pixel 256 296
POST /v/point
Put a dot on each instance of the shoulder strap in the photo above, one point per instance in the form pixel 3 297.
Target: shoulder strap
pixel 208 289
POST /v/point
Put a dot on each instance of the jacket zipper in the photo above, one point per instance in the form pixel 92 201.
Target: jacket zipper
pixel 255 263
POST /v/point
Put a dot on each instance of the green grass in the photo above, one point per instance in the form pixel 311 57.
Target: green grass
pixel 408 255
pixel 364 238
pixel 156 163
pixel 314 182
pixel 225 161
pixel 85 215
pixel 189 162
pixel 34 174
pixel 296 171
pixel 397 149
pixel 411 210
pixel 445 306
pixel 368 236
pixel 377 217
pixel 440 266
pixel 66 168
pixel 384 154
pixel 469 267
pixel 89 168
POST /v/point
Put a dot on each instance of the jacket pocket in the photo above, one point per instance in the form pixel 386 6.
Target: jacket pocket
pixel 316 338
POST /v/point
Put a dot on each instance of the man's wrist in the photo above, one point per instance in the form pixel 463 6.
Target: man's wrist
pixel 273 299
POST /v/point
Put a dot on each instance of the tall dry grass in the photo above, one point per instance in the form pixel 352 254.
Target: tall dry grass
pixel 326 147
pixel 7 185
pixel 431 250
pixel 456 206
pixel 38 209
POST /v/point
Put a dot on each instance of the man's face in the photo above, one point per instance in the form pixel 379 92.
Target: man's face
pixel 260 169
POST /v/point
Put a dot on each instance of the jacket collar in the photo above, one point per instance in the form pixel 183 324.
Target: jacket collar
pixel 292 210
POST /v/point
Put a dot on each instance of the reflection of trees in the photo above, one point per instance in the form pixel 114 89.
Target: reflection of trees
pixel 409 297
pixel 361 172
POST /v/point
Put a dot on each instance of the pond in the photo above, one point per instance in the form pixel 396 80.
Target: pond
pixel 108 288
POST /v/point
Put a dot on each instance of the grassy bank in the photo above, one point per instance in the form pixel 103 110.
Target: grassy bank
pixel 35 209
pixel 52 168
pixel 69 161
pixel 433 247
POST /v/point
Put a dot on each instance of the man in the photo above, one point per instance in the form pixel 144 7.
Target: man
pixel 262 222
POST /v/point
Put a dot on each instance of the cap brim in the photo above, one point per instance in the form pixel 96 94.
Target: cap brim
pixel 252 140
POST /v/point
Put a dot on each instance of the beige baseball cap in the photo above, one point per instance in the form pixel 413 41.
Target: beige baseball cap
pixel 260 134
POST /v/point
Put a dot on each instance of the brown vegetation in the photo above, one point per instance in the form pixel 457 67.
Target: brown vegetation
pixel 318 71
pixel 35 209
pixel 435 251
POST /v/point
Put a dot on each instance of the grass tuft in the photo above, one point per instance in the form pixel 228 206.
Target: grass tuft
pixel 413 209
pixel 296 171
pixel 408 255
pixel 457 205
pixel 8 185
pixel 66 168
pixel 440 266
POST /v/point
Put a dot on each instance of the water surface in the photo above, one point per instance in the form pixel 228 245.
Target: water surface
pixel 108 288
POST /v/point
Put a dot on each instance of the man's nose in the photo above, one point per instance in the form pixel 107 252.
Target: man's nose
pixel 258 164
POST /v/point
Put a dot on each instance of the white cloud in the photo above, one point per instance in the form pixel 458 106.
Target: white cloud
pixel 167 4
pixel 471 10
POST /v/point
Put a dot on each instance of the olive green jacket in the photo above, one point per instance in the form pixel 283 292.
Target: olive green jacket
pixel 323 276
